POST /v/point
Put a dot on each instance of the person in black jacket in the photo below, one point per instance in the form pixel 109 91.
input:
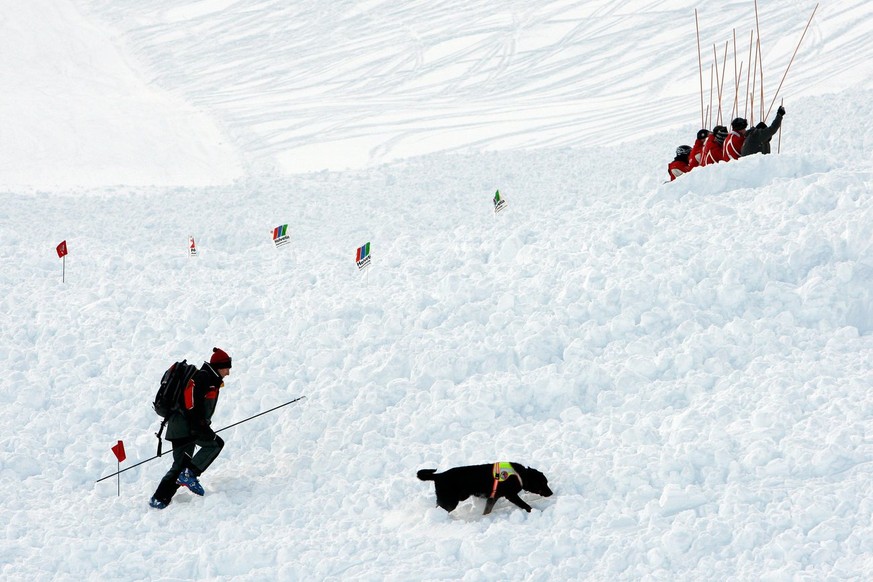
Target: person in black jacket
pixel 191 428
pixel 758 138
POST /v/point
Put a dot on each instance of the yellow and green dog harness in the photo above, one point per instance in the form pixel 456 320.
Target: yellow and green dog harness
pixel 502 472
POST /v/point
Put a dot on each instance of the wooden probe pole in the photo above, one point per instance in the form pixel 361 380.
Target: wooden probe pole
pixel 723 67
pixel 748 72
pixel 699 68
pixel 709 114
pixel 760 59
pixel 736 79
pixel 792 59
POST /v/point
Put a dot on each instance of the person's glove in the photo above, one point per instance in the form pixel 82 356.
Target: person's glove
pixel 781 111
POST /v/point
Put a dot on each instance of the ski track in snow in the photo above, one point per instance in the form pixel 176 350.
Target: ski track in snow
pixel 689 362
pixel 307 86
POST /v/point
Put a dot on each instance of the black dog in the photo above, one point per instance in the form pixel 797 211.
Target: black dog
pixel 491 481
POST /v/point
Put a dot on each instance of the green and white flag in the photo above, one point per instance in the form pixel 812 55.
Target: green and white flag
pixel 499 203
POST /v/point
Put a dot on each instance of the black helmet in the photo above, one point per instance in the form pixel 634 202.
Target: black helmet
pixel 739 123
pixel 720 132
pixel 683 150
pixel 703 134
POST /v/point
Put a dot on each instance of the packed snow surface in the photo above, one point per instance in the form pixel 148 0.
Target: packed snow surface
pixel 688 362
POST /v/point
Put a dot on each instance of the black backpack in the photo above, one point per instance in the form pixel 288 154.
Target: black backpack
pixel 169 396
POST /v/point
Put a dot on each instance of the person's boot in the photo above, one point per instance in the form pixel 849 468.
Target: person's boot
pixel 189 480
pixel 157 503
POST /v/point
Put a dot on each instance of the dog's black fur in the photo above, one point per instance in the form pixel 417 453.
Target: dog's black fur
pixel 456 485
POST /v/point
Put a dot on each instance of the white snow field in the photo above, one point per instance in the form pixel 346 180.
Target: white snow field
pixel 688 362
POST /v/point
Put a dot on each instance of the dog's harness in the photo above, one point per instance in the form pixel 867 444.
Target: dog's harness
pixel 502 472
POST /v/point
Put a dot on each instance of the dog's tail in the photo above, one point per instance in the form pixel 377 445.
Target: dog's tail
pixel 426 474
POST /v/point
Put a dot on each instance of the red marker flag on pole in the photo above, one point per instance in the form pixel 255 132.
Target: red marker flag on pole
pixel 118 449
pixel 62 254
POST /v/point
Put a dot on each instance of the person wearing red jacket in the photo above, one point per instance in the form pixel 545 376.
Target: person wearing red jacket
pixel 713 150
pixel 695 158
pixel 190 428
pixel 733 145
pixel 680 164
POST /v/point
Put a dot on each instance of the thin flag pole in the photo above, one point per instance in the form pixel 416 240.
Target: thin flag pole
pixel 120 455
pixel 62 254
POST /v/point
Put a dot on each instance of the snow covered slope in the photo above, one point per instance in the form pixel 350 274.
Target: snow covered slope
pixel 689 363
pixel 192 93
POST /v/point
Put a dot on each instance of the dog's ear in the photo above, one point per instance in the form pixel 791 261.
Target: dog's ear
pixel 523 470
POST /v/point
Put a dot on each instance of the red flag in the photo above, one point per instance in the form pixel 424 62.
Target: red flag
pixel 62 250
pixel 119 451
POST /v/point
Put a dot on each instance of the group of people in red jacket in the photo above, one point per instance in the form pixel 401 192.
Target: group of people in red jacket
pixel 719 145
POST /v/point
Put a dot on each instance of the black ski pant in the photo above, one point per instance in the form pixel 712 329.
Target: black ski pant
pixel 185 458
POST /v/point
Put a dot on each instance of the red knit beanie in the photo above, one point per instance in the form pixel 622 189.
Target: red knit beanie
pixel 219 359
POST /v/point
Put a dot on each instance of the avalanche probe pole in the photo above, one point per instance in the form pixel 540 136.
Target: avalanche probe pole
pixel 218 431
pixel 699 68
pixel 791 61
